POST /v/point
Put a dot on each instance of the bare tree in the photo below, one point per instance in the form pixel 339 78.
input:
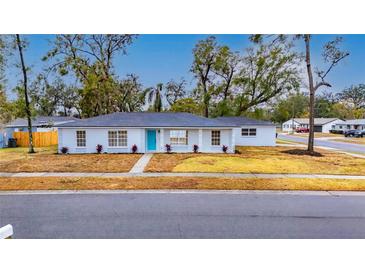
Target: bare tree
pixel 332 55
pixel 25 88
pixel 175 91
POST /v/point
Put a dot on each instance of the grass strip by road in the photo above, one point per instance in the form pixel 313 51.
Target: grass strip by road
pixel 148 183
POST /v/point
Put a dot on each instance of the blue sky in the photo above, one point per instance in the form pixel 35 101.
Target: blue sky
pixel 159 58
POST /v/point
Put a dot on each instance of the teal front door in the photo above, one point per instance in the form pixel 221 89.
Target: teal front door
pixel 151 139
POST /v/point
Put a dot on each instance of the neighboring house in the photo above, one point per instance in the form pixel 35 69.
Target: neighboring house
pixel 150 132
pixel 39 124
pixel 250 132
pixel 320 124
pixel 349 125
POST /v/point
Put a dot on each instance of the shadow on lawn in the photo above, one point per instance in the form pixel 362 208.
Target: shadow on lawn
pixel 302 152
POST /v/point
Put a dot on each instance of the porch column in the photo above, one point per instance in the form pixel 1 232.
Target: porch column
pixel 233 143
pixel 162 142
pixel 200 140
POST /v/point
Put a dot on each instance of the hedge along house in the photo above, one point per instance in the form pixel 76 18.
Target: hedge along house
pixel 149 131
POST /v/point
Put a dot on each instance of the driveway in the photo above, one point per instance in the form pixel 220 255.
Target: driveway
pixel 325 143
pixel 185 215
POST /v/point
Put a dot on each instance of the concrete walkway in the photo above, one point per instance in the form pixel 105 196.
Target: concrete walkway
pixel 141 163
pixel 173 174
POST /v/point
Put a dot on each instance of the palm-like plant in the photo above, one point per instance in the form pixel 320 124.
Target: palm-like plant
pixel 154 97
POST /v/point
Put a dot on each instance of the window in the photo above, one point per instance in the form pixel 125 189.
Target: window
pixel 81 138
pixel 178 137
pixel 340 127
pixel 117 138
pixel 216 138
pixel 248 132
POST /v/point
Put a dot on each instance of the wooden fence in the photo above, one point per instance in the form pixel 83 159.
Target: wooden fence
pixel 40 139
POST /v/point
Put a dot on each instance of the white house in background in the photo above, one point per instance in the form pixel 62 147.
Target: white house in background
pixel 151 131
pixel 251 132
pixel 320 124
pixel 349 125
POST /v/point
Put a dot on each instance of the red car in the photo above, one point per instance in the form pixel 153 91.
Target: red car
pixel 302 130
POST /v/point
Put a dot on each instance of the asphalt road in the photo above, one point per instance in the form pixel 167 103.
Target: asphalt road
pixel 184 215
pixel 325 143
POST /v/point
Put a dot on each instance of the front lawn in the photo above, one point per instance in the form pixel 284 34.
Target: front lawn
pixel 135 183
pixel 47 160
pixel 260 160
pixel 317 135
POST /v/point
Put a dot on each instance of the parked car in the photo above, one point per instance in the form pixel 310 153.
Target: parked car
pixel 302 130
pixel 353 133
pixel 360 133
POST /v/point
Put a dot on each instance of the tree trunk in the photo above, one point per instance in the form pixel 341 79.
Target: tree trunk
pixel 25 86
pixel 311 93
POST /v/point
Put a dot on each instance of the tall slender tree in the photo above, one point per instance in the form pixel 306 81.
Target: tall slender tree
pixel 332 55
pixel 19 45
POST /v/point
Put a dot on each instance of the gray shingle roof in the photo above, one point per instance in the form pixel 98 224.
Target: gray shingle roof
pixel 148 119
pixel 243 121
pixel 317 121
pixel 353 122
pixel 41 121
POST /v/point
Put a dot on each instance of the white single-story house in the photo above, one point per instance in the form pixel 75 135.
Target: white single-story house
pixel 320 124
pixel 151 132
pixel 349 125
pixel 39 124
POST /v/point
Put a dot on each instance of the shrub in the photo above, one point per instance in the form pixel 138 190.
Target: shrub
pixel 134 148
pixel 195 148
pixel 225 148
pixel 64 150
pixel 99 148
pixel 168 148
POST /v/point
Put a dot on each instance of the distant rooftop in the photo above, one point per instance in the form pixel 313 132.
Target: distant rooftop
pixel 353 122
pixel 317 121
pixel 42 121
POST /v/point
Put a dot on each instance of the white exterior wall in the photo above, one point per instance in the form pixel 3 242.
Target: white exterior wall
pixel 193 139
pixel 287 126
pixel 327 127
pixel 226 139
pixel 95 136
pixel 265 136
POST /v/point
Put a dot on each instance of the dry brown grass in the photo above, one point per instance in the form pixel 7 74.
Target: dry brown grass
pixel 130 183
pixel 46 160
pixel 259 160
pixel 316 134
pixel 166 162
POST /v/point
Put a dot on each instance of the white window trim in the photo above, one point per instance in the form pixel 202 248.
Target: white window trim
pixel 186 137
pixel 116 147
pixel 249 136
pixel 220 139
pixel 81 147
